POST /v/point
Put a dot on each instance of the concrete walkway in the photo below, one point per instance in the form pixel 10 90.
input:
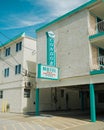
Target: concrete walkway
pixel 50 121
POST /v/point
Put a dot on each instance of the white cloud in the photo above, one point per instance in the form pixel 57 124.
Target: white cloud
pixel 20 21
pixel 53 9
pixel 56 8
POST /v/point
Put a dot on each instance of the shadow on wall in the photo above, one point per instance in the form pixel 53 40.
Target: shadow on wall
pixel 29 90
pixel 29 100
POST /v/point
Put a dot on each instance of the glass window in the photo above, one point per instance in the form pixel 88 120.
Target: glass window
pixel 18 69
pixel 26 93
pixel 7 51
pixel 18 46
pixel 1 94
pixel 6 72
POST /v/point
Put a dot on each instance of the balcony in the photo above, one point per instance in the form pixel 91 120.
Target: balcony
pixel 96 24
pixel 97 39
pixel 100 26
pixel 101 62
pixel 99 69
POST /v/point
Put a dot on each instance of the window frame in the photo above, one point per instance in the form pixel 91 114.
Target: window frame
pixel 18 69
pixel 1 94
pixel 7 51
pixel 18 46
pixel 27 93
pixel 6 72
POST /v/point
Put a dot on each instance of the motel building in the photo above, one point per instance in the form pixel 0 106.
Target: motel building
pixel 70 61
pixel 18 74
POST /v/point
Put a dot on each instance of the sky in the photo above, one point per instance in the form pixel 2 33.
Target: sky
pixel 18 16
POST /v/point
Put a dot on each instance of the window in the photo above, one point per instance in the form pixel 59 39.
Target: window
pixel 101 97
pixel 101 52
pixel 18 46
pixel 7 51
pixel 6 72
pixel 26 93
pixel 1 94
pixel 18 69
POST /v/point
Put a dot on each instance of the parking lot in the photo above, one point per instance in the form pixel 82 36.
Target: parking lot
pixel 49 121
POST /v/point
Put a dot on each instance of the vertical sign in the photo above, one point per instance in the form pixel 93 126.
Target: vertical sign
pixel 51 55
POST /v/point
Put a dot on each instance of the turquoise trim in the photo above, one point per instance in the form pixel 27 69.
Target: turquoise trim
pixel 39 70
pixel 68 14
pixel 94 72
pixel 12 39
pixel 37 102
pixel 96 35
pixel 92 103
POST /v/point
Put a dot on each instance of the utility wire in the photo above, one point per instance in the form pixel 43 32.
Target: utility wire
pixel 15 42
pixel 12 67
pixel 14 57
pixel 8 63
pixel 5 36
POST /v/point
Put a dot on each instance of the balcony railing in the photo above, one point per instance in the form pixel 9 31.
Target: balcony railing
pixel 100 26
pixel 101 62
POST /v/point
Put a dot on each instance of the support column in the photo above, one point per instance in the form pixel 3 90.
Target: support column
pixel 82 100
pixel 37 102
pixel 92 103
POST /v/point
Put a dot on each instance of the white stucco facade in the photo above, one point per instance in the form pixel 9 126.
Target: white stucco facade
pixel 72 47
pixel 14 85
pixel 76 53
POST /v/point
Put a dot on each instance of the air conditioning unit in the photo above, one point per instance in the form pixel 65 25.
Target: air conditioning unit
pixel 28 84
pixel 24 72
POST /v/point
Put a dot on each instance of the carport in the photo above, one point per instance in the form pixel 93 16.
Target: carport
pixel 87 95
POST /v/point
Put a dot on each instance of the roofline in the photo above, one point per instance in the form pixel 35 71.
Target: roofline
pixel 68 14
pixel 12 39
pixel 26 36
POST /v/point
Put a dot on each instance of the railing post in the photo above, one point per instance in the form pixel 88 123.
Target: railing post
pixel 100 26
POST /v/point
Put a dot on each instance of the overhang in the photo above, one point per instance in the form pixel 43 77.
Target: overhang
pixel 97 39
pixel 98 9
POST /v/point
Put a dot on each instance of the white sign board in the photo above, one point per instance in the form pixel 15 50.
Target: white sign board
pixel 48 72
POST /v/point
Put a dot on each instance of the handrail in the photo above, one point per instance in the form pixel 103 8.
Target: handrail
pixel 101 60
pixel 100 26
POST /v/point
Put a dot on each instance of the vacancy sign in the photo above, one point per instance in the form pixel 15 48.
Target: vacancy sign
pixel 48 72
